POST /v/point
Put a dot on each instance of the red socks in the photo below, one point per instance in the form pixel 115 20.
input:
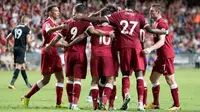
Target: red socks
pixel 156 91
pixel 174 93
pixel 34 89
pixel 59 92
pixel 140 89
pixel 125 86
pixel 69 89
pixel 76 91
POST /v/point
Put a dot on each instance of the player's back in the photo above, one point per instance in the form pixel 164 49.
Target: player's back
pixel 75 29
pixel 128 23
pixel 101 46
pixel 20 33
pixel 166 51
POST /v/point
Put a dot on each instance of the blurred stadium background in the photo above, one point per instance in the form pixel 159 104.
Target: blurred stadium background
pixel 182 15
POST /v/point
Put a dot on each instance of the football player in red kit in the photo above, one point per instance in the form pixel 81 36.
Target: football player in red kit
pixel 164 63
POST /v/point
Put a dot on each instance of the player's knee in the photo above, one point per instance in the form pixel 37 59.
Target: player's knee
pixel 60 79
pixel 170 80
pixel 125 73
pixel 23 66
pixel 95 81
pixel 110 79
pixel 45 80
pixel 151 79
pixel 19 66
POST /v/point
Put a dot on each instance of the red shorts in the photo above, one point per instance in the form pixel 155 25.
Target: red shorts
pixel 164 66
pixel 132 59
pixel 50 64
pixel 76 64
pixel 102 66
pixel 116 62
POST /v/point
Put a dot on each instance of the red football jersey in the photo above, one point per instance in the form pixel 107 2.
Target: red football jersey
pixel 128 23
pixel 101 46
pixel 166 51
pixel 116 42
pixel 75 29
pixel 48 37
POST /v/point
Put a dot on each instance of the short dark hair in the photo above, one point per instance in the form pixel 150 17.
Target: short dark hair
pixel 50 7
pixel 158 7
pixel 130 4
pixel 109 9
pixel 112 8
pixel 80 8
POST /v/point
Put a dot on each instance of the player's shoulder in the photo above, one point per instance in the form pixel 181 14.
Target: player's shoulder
pixel 107 25
pixel 162 22
pixel 48 21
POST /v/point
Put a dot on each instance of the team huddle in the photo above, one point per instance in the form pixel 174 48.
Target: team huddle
pixel 111 31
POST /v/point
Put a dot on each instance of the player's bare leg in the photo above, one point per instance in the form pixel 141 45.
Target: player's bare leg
pixel 69 90
pixel 41 83
pixel 107 90
pixel 24 75
pixel 95 92
pixel 125 90
pixel 155 76
pixel 59 88
pixel 140 88
pixel 76 93
pixel 174 91
pixel 113 96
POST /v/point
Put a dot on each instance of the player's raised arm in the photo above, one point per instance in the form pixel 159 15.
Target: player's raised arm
pixel 157 45
pixel 91 19
pixel 54 29
pixel 53 41
pixel 94 31
pixel 78 39
pixel 155 30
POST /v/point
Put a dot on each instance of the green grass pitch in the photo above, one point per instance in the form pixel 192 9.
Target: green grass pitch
pixel 44 101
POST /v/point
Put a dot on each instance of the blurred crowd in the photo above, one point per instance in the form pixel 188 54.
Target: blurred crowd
pixel 183 17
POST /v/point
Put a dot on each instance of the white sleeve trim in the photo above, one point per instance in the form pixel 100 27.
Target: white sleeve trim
pixel 47 27
pixel 145 26
pixel 88 27
pixel 107 19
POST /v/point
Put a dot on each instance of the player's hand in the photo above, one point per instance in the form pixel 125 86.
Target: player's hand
pixel 47 48
pixel 64 26
pixel 112 34
pixel 6 50
pixel 147 50
pixel 67 47
pixel 167 32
